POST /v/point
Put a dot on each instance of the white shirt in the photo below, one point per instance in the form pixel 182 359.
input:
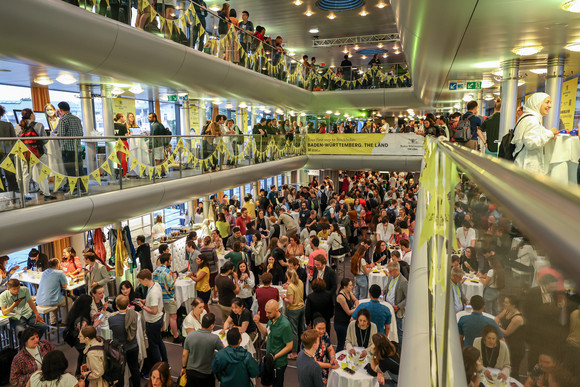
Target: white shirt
pixel 465 237
pixel 190 322
pixel 66 380
pixel 157 230
pixel 407 257
pixel 363 263
pixel 385 231
pixel 154 298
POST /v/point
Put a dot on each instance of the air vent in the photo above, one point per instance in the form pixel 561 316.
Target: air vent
pixel 339 5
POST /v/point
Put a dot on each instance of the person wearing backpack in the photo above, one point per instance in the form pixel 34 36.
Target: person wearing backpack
pixel 491 129
pixel 29 132
pixel 474 126
pixel 158 145
pixel 530 136
pixel 94 368
pixel 124 326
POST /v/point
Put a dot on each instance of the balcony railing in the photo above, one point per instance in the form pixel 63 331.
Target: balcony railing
pixel 61 168
pixel 198 27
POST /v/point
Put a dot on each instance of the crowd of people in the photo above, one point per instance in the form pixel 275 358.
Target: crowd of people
pixel 280 283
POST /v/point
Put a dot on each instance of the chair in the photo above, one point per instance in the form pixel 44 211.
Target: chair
pixel 45 311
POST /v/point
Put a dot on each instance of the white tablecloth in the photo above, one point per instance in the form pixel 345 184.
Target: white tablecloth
pixel 393 331
pixel 361 378
pixel 139 147
pixel 471 289
pixel 54 155
pixel 185 292
pixel 246 341
pixel 378 279
pixel 562 158
pixel 495 371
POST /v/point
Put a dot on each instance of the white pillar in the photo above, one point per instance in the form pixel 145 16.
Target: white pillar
pixel 554 80
pixel 185 117
pixel 89 125
pixel 509 95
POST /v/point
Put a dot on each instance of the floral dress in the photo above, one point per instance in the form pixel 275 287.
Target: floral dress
pixel 322 354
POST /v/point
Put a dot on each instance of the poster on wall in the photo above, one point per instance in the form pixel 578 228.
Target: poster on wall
pixel 244 126
pixel 381 144
pixel 568 102
pixel 193 119
pixel 124 105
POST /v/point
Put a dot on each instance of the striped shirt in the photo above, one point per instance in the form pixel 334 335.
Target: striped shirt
pixel 162 275
pixel 70 126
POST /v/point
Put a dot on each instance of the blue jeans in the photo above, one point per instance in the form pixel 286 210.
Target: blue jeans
pixel 361 290
pixel 400 330
pixel 156 344
pixel 18 325
pixel 340 336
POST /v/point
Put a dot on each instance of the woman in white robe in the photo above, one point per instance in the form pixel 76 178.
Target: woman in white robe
pixel 530 136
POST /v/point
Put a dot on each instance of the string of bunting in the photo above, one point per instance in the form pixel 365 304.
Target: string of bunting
pixel 181 152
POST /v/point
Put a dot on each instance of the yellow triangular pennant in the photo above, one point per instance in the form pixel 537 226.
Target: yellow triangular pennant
pixel 134 163
pixel 106 167
pixel 151 170
pixel 153 14
pixel 158 170
pixel 72 183
pixel 113 157
pixel 85 182
pixel 58 179
pixel 44 172
pixel 142 168
pixel 96 174
pixel 33 160
pixel 8 165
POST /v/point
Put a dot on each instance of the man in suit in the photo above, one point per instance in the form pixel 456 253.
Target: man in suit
pixel 321 270
pixel 459 299
pixel 97 273
pixel 396 294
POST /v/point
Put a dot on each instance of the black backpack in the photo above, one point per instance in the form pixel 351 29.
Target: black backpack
pixel 463 129
pixel 7 355
pixel 166 140
pixel 391 215
pixel 506 148
pixel 114 361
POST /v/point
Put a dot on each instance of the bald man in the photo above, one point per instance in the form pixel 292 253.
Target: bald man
pixel 280 341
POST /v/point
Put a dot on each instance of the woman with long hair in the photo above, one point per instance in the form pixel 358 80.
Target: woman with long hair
pixel 131 123
pixel 192 321
pixel 202 279
pixel 294 299
pixel 344 307
pixel 5 274
pixel 493 281
pixel 53 370
pixel 258 248
pixel 246 283
pixel 126 289
pixel 360 269
pixel 160 375
pixel 334 241
pixel 325 355
pixel 472 365
pixel 511 324
pixel 295 248
pixel 78 317
pixel 384 360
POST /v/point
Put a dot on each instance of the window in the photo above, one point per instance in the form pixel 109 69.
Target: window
pixel 19 258
pixel 73 100
pixel 14 98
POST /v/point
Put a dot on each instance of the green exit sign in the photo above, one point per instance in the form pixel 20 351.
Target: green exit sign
pixel 172 97
pixel 473 85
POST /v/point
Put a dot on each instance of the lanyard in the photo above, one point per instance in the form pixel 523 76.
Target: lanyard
pixel 392 284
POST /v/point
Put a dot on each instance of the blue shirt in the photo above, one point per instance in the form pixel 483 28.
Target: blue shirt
pixel 470 327
pixel 475 123
pixel 50 288
pixel 380 314
pixel 162 275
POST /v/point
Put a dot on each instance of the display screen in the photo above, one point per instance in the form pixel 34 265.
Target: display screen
pixel 40 117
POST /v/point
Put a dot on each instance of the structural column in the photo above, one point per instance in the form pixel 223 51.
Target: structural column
pixel 206 205
pixel 89 125
pixel 108 121
pixel 554 80
pixel 185 116
pixel 509 95
pixel 256 189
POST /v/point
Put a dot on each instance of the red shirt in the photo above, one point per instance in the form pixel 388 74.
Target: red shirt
pixel 71 265
pixel 263 295
pixel 241 223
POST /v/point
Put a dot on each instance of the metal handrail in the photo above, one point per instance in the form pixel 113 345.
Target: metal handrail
pixel 542 209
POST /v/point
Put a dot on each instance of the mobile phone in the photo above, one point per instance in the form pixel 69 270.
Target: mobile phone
pixel 100 316
pixel 350 371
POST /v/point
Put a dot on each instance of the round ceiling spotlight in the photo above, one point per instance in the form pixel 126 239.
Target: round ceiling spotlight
pixel 339 5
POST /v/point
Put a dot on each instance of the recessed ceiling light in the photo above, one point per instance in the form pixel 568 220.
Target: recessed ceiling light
pixel 571 6
pixel 397 52
pixel 297 2
pixel 363 13
pixel 484 65
pixel 329 112
pixel 363 57
pixel 292 54
pixel 116 91
pixel 527 50
pixel 313 30
pixel 214 8
pixel 216 102
pixel 309 13
pixel 488 97
pixel 345 51
pixel 380 45
pixel 66 78
pixel 242 105
pixel 302 114
pixel 539 71
pixel 136 89
pixel 385 55
pixel 381 5
pixel 356 47
pixel 337 113
pixel 229 105
pixel 331 16
pixel 43 80
pixel 574 46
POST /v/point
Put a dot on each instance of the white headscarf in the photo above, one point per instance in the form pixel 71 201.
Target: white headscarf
pixel 532 106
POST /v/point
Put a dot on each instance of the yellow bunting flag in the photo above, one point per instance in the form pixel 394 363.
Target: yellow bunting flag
pixel 153 14
pixel 113 157
pixel 119 145
pixel 72 183
pixel 96 174
pixel 183 24
pixel 190 158
pixel 8 165
pixel 85 181
pixel 1 185
pixel 169 25
pixel 150 170
pixel 134 163
pixel 142 168
pixel 19 149
pixel 33 160
pixel 171 159
pixel 58 179
pixel 106 167
pixel 44 172
pixel 165 166
pixel 158 170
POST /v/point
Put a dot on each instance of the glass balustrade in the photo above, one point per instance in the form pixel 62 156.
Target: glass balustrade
pixel 187 23
pixel 61 168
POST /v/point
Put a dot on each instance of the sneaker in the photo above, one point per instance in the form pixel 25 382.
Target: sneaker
pixel 27 198
pixel 49 197
pixel 178 340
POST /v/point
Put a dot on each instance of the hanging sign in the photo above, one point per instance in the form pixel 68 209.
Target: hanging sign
pixel 568 102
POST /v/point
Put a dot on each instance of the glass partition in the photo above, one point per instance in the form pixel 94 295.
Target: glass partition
pixel 232 39
pixel 43 170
